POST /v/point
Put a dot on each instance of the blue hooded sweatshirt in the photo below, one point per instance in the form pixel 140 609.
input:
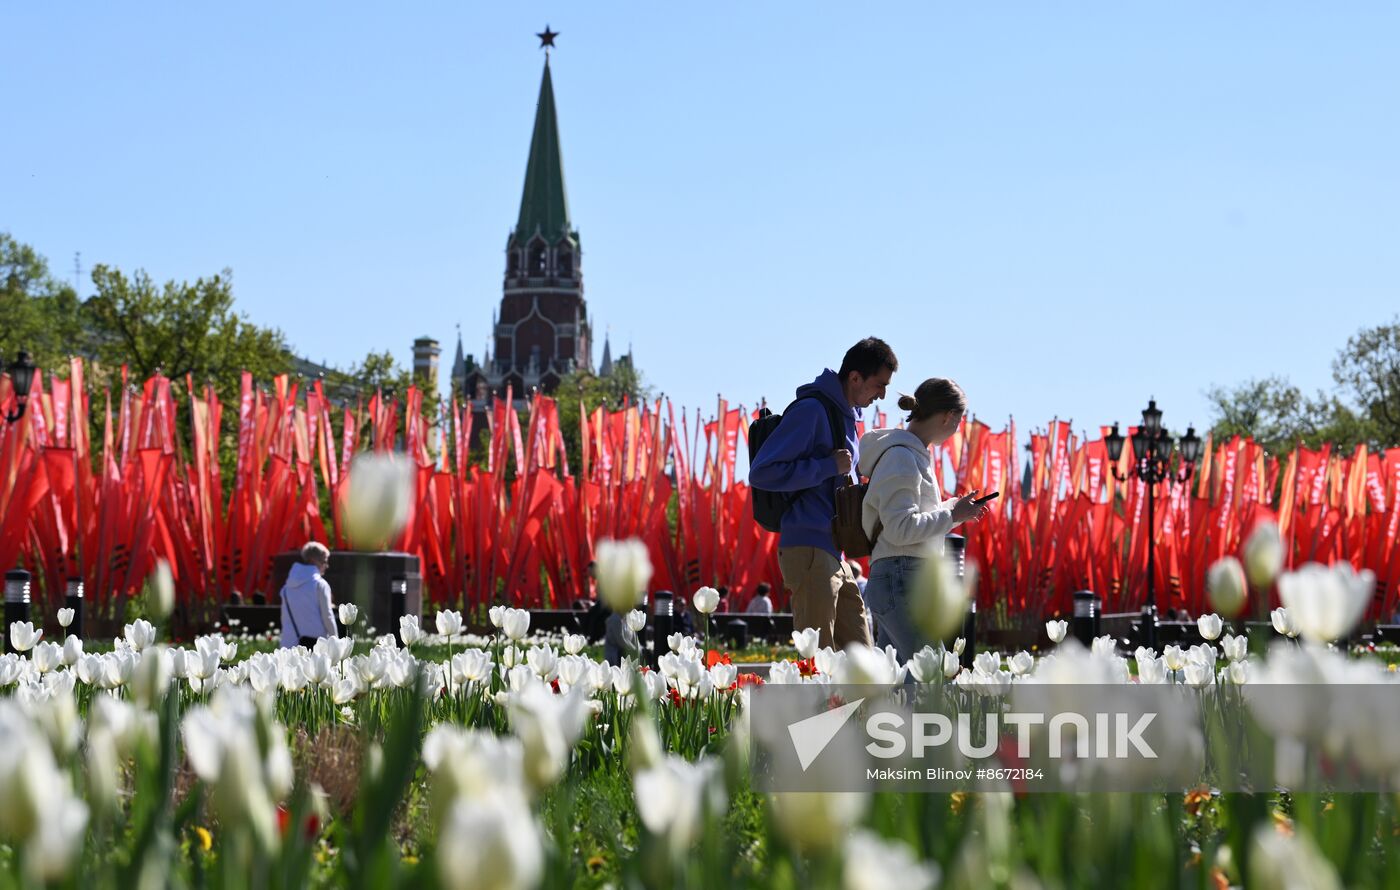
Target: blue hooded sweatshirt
pixel 797 458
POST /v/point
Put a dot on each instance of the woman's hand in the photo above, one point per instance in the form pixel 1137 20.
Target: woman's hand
pixel 967 509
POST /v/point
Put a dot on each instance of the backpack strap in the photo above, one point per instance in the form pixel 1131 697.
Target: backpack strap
pixel 286 604
pixel 879 525
pixel 834 415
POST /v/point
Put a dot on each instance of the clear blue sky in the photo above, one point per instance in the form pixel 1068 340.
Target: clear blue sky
pixel 1065 206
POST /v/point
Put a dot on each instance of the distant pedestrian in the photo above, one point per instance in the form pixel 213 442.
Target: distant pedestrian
pixel 762 603
pixel 306 599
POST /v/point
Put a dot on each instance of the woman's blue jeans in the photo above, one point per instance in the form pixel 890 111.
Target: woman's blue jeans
pixel 887 598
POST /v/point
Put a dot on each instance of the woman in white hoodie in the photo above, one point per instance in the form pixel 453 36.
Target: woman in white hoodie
pixel 905 512
pixel 306 599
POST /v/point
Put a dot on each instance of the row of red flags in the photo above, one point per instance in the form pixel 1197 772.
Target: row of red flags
pixel 523 526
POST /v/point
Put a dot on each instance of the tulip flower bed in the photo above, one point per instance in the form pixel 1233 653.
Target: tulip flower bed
pixel 498 762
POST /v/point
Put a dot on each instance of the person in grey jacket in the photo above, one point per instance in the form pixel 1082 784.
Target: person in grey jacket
pixel 904 504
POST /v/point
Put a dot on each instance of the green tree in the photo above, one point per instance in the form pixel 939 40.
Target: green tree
pixel 38 313
pixel 180 328
pixel 1365 408
pixel 590 390
pixel 1368 370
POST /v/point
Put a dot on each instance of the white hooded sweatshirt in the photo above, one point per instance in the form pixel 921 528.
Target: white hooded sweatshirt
pixel 306 605
pixel 904 495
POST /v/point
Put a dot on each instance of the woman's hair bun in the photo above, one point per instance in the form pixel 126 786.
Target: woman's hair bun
pixel 908 403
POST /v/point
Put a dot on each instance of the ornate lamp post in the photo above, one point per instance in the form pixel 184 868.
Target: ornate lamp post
pixel 21 372
pixel 1152 454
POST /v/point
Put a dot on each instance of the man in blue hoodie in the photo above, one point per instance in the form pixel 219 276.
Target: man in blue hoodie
pixel 802 459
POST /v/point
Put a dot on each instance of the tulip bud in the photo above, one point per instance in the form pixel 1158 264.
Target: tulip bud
pixel 1226 583
pixel 624 570
pixel 160 600
pixel 1263 556
pixel 349 613
pixel 379 499
pixel 65 617
pixel 1056 630
pixel 939 598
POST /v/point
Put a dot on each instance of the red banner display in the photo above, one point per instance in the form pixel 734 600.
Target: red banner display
pixel 523 528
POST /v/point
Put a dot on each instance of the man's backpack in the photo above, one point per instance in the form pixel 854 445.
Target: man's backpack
pixel 848 526
pixel 769 506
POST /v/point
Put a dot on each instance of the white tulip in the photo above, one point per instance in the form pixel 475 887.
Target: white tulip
pixel 1199 674
pixel 1225 582
pixel 1056 630
pixel 1278 861
pixel 1326 603
pixel 349 613
pixel 1210 626
pixel 379 499
pixel 864 666
pixel 623 570
pixel 959 645
pixel 1152 671
pixel 706 600
pixel 544 661
pixel 723 675
pixel 987 662
pixel 72 650
pixel 1174 658
pixel 1263 555
pixel 547 726
pixel 65 617
pixel 449 623
pixel 806 641
pixel 1238 672
pixel 873 863
pixel 516 623
pixel 636 620
pixel 496 614
pixel 926 665
pixel 345 691
pixel 23 636
pixel 992 685
pixel 54 848
pixel 1104 647
pixel 152 677
pixel 815 820
pixel 140 634
pixel 1235 647
pixel 47 657
pixel 951 666
pixel 673 798
pixel 489 841
pixel 409 631
pixel 574 643
pixel 1021 663
pixel 1283 623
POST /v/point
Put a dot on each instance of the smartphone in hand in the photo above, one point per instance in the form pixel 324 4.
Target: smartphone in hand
pixel 980 501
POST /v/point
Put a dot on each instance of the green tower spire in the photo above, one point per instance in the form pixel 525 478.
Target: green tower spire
pixel 544 207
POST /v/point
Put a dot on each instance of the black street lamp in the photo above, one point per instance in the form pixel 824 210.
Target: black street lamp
pixel 1152 456
pixel 21 372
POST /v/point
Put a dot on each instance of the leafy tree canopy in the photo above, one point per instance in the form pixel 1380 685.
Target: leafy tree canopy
pixel 1364 408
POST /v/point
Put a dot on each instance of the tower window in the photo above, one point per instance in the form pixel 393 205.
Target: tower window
pixel 539 259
